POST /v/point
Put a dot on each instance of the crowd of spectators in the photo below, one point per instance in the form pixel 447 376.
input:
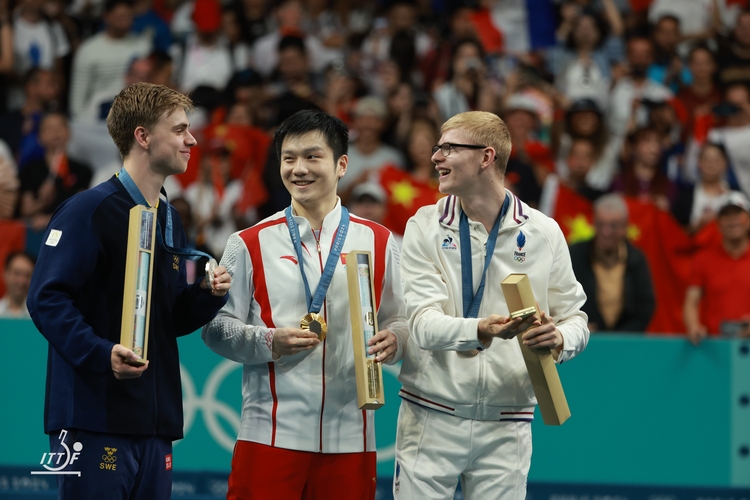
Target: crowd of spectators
pixel 648 99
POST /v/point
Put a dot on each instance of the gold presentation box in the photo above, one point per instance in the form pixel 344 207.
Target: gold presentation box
pixel 539 362
pixel 368 372
pixel 139 266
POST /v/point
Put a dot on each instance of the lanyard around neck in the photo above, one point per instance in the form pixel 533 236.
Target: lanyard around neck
pixel 472 301
pixel 168 243
pixel 315 303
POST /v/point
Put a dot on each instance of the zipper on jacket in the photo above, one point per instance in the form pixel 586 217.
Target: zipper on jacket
pixel 323 397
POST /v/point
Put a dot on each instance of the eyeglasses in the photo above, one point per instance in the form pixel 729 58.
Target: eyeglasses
pixel 447 147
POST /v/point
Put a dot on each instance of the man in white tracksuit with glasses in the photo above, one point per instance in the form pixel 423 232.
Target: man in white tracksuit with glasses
pixel 467 401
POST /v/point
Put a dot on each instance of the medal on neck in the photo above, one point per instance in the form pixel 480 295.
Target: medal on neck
pixel 313 320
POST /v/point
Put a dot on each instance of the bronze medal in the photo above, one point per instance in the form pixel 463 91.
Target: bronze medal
pixel 316 324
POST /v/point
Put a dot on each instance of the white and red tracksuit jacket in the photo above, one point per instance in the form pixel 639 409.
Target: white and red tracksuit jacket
pixel 308 401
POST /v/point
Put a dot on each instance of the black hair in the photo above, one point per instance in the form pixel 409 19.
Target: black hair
pixel 333 129
pixel 110 5
pixel 599 22
pixel 460 43
pixel 292 42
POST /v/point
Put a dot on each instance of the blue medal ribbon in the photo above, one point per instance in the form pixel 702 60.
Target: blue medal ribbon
pixel 135 193
pixel 314 304
pixel 472 301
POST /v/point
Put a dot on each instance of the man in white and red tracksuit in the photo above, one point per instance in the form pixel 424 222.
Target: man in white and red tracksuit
pixel 303 435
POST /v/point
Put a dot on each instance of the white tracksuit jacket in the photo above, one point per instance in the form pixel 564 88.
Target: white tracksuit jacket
pixel 494 385
pixel 308 401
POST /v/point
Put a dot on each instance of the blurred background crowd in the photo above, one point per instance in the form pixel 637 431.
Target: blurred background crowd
pixel 630 122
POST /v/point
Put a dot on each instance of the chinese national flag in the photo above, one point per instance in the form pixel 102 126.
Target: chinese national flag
pixel 668 249
pixel 405 196
pixel 574 215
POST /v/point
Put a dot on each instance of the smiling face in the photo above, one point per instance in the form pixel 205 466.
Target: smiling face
pixel 459 171
pixel 309 170
pixel 169 143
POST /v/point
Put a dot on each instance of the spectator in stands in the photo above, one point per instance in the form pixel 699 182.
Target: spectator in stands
pixel 367 153
pixel 642 176
pixel 735 134
pixel 468 87
pixel 716 298
pixel 614 274
pixel 584 119
pixel 734 53
pixel 630 90
pixel 587 49
pixel 368 200
pixel 400 17
pixel 213 197
pixel 699 19
pixel 521 115
pixel 288 15
pixel 146 20
pixel 416 185
pixel 6 53
pixel 340 92
pixel 17 276
pixel 37 43
pixel 19 128
pixel 668 67
pixel 580 161
pixel 293 75
pixel 697 205
pixel 103 59
pixel 46 183
pixel 701 94
pixel 204 60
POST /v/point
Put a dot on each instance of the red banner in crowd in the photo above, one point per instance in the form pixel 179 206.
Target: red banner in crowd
pixel 405 196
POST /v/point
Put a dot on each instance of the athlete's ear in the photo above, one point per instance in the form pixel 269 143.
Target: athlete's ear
pixel 341 166
pixel 142 137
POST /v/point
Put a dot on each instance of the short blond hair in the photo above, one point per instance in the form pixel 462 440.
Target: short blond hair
pixel 485 128
pixel 141 105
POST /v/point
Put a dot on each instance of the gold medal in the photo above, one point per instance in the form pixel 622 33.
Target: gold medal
pixel 316 324
pixel 211 266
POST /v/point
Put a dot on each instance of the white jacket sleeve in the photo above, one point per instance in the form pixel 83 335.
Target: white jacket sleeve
pixel 392 311
pixel 427 298
pixel 228 334
pixel 566 297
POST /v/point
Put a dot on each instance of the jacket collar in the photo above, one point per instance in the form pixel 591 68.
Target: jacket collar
pixel 449 212
pixel 330 223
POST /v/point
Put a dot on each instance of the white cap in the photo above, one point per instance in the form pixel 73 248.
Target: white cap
pixel 735 199
pixel 375 191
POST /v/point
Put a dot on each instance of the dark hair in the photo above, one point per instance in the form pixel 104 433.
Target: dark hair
pixel 668 17
pixel 717 146
pixel 13 255
pixel 333 129
pixel 292 42
pixel 457 45
pixel 600 24
pixel 403 53
pixel 110 5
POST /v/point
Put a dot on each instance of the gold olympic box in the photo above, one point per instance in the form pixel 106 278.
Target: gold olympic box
pixel 368 372
pixel 539 362
pixel 139 267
